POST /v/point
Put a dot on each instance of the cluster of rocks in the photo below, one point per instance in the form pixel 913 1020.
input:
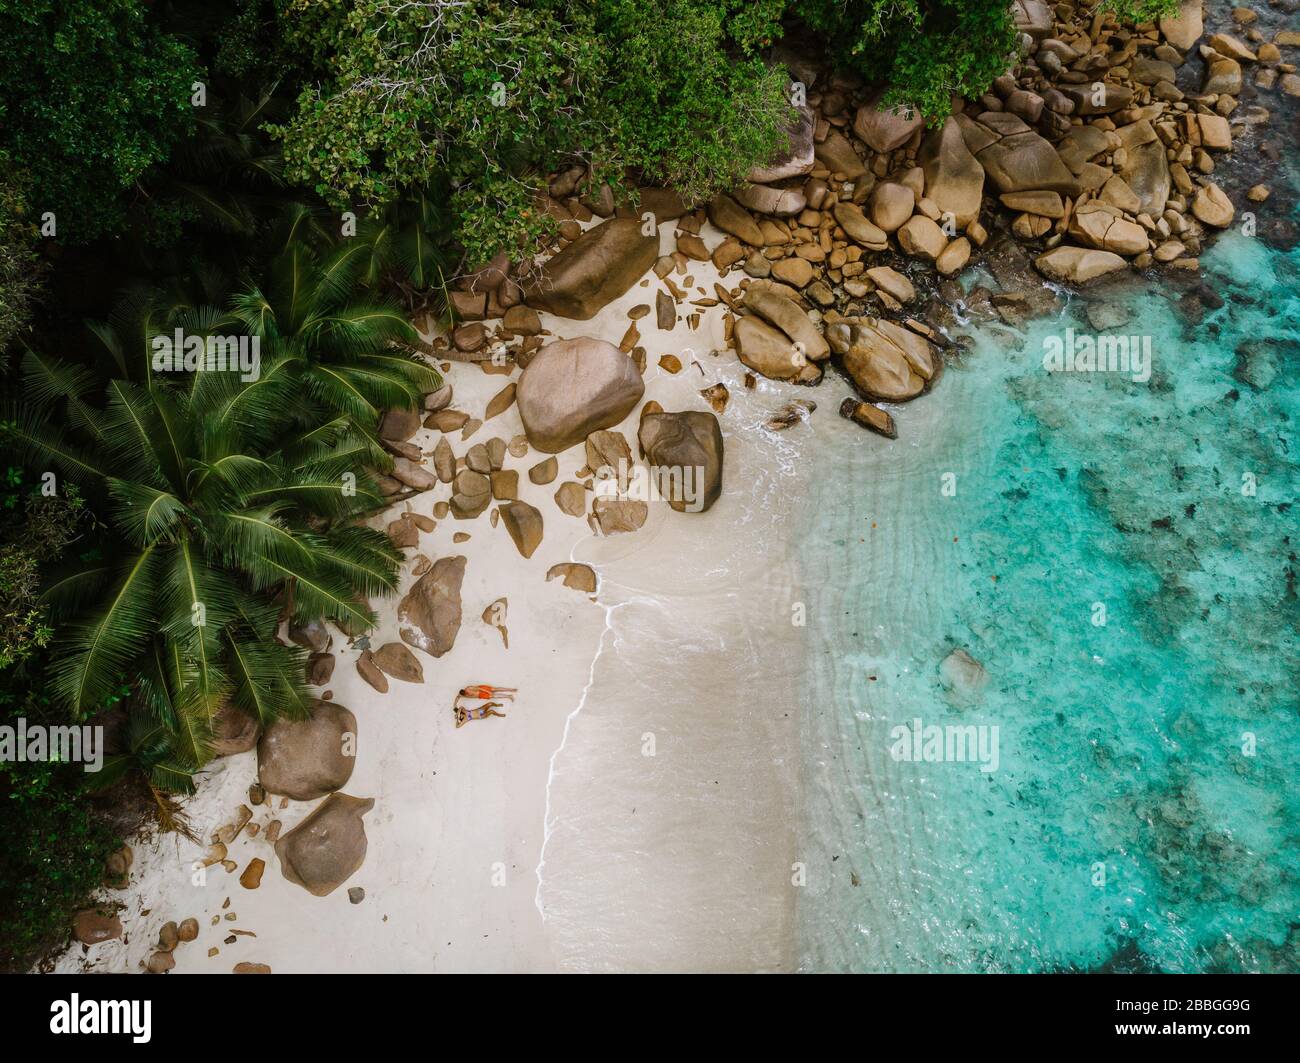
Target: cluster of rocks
pixel 304 760
pixel 92 926
pixel 1096 151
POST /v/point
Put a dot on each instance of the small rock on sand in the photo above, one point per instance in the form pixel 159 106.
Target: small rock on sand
pixel 399 662
pixel 577 576
pixel 252 876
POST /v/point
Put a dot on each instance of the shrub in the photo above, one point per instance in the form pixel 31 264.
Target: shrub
pixel 480 99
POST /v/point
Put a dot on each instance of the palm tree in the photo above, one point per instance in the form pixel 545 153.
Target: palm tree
pixel 409 246
pixel 232 507
pixel 351 353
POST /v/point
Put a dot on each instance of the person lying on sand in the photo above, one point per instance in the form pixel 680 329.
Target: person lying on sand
pixel 482 690
pixel 464 715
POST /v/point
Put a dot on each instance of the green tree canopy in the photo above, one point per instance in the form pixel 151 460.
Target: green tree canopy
pixel 92 94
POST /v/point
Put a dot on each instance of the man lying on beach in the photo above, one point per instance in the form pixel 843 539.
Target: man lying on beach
pixel 483 691
pixel 464 715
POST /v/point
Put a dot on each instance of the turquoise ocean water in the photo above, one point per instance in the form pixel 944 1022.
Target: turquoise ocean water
pixel 1144 813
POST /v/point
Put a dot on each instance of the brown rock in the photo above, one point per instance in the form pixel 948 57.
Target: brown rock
pixel 90 926
pixel 403 533
pixel 1015 158
pixel 786 315
pixel 505 485
pixel 1213 207
pixel 447 420
pixel 1185 28
pixel 767 351
pixel 885 127
pixel 571 498
pixel 1092 224
pixel 837 155
pixel 665 311
pixel 888 362
pixel 794 157
pixel 544 472
pixel 320 667
pixel 1077 265
pixel 954 179
pixel 500 402
pixel 160 962
pixel 306 759
pixel 472 492
pixel 731 217
pixel 890 281
pixel 614 516
pixel 859 229
pixel 369 671
pixel 954 257
pixel 796 272
pixel 598 267
pixel 921 238
pixel 252 876
pixel 327 847
pixel 524 523
pixel 892 204
pixel 414 476
pixel 399 425
pixel 687 452
pixel 574 387
pixel 869 416
pixel 444 461
pixel 522 321
pixel 399 662
pixel 576 576
pixel 233 731
pixel 430 613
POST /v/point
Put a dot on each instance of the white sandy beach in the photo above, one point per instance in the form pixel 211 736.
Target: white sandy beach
pixel 549 840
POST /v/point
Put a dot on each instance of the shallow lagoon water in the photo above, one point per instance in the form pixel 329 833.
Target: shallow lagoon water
pixel 1143 814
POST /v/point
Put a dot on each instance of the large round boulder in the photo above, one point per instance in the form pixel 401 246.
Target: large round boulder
pixel 595 269
pixel 573 388
pixel 888 363
pixel 684 451
pixel 307 759
pixel 327 847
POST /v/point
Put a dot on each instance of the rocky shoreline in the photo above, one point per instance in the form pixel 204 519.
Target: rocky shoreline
pixel 1096 155
pixel 1093 161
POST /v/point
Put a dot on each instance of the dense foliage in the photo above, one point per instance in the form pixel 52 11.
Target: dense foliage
pixel 229 495
pixel 924 50
pixel 91 96
pixel 19 267
pixel 54 854
pixel 54 843
pixel 480 98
